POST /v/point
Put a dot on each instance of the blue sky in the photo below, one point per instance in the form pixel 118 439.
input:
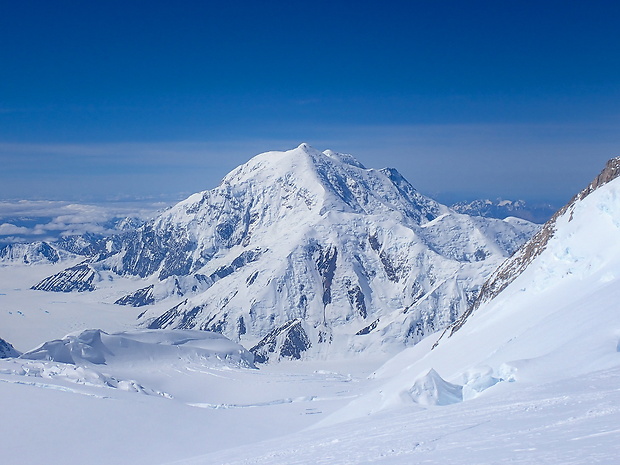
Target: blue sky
pixel 154 100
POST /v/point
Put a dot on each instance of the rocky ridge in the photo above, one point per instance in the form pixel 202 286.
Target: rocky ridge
pixel 509 270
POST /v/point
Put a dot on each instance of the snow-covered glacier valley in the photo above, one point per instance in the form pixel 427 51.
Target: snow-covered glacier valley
pixel 309 310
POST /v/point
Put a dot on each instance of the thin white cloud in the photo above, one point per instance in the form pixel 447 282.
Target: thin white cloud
pixel 7 229
pixel 48 220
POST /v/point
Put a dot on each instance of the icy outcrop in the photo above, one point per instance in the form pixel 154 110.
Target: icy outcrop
pixel 432 389
pixel 96 347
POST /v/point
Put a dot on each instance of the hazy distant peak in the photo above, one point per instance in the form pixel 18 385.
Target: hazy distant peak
pixel 503 208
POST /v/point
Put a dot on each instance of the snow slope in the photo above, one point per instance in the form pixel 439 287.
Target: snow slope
pixel 557 319
pixel 573 422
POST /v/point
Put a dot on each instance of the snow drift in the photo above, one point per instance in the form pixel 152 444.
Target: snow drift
pixel 143 347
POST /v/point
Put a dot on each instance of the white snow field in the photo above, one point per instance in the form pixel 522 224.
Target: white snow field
pixel 159 411
pixel 531 377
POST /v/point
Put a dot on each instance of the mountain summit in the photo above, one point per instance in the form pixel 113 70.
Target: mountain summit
pixel 303 253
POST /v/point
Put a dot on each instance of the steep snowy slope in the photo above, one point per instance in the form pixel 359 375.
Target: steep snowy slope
pixel 303 252
pixel 513 267
pixel 556 318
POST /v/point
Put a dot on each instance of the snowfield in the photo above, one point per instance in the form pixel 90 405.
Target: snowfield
pixel 531 376
pixel 569 422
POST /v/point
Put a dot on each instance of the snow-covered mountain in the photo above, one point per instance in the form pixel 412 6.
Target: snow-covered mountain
pixel 501 208
pixel 302 252
pixel 85 245
pixel 531 376
pixel 34 252
pixel 549 313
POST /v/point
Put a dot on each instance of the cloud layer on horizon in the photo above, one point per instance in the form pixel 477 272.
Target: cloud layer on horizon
pixel 43 220
pixel 543 162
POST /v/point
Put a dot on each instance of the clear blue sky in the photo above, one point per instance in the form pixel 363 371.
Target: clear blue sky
pixel 100 99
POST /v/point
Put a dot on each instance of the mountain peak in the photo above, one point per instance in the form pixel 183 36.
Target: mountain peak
pixel 299 249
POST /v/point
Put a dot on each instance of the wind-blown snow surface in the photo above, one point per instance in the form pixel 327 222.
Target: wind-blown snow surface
pixel 157 396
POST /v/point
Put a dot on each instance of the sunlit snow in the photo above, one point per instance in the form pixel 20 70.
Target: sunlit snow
pixel 531 377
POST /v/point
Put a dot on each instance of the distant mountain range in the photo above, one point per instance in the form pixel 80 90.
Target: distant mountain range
pixel 499 208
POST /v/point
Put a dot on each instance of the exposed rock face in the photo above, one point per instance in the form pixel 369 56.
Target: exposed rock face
pixel 7 350
pixel 301 252
pixel 138 298
pixel 78 278
pixel 508 271
pixel 289 340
